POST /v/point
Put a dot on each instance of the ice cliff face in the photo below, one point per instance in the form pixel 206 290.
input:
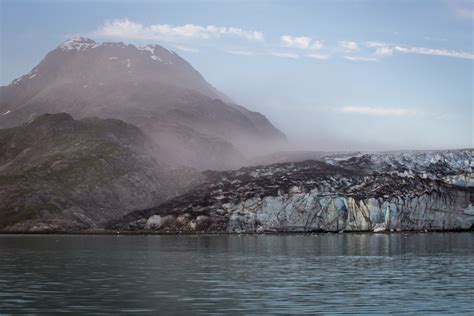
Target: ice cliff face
pixel 378 192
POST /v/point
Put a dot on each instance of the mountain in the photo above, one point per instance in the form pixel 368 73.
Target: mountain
pixel 60 174
pixel 380 192
pixel 148 86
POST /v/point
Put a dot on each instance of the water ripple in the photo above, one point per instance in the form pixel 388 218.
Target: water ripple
pixel 253 275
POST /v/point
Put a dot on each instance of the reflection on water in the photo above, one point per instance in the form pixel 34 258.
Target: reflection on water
pixel 286 274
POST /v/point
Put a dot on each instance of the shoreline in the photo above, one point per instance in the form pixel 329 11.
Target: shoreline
pixel 145 233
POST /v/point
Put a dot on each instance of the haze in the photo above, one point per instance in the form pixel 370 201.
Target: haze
pixel 370 75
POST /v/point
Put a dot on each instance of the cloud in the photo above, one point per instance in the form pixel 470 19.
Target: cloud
pixel 375 44
pixel 434 52
pixel 360 58
pixel 318 56
pixel 125 28
pixel 300 42
pixel 378 111
pixel 187 49
pixel 386 49
pixel 348 46
pixel 240 52
pixel 285 54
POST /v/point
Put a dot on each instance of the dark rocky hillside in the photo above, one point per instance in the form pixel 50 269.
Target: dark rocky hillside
pixel 61 174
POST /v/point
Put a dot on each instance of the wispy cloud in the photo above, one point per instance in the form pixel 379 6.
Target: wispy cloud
pixel 128 29
pixel 378 111
pixel 371 44
pixel 435 52
pixel 125 28
pixel 386 49
pixel 318 56
pixel 360 58
pixel 349 46
pixel 300 42
pixel 187 49
pixel 240 52
pixel 285 54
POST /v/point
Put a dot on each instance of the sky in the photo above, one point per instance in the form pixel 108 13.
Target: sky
pixel 332 75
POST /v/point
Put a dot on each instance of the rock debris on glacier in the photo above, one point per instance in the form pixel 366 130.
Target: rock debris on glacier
pixel 374 192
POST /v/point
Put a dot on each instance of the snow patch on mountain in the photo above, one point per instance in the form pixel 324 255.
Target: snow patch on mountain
pixel 82 43
pixel 77 43
pixel 154 56
pixel 149 48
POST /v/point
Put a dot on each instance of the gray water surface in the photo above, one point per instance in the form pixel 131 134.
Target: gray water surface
pixel 274 274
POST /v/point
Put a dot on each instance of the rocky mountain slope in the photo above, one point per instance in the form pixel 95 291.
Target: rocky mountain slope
pixel 61 174
pixel 148 86
pixel 378 192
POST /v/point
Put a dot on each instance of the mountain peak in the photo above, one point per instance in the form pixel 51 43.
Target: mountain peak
pixel 82 43
pixel 87 62
pixel 156 52
pixel 77 43
pixel 149 86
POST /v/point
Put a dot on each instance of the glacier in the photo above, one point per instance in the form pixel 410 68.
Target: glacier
pixel 403 191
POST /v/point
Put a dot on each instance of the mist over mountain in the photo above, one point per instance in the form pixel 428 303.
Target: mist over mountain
pixel 57 173
pixel 148 86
